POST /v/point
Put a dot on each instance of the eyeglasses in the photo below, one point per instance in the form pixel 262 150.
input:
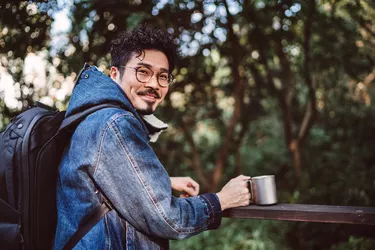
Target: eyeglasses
pixel 144 74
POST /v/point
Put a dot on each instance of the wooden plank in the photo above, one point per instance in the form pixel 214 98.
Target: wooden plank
pixel 302 212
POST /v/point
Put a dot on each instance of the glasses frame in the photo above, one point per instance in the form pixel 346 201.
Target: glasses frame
pixel 170 82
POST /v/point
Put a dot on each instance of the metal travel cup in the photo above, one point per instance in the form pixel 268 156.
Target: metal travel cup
pixel 263 190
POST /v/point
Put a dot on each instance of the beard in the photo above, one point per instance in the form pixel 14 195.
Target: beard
pixel 146 111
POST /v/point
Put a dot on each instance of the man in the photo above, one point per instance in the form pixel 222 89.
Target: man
pixel 109 155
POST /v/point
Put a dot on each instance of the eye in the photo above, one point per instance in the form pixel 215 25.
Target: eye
pixel 164 76
pixel 144 71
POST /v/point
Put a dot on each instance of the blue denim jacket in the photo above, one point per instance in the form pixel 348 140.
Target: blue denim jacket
pixel 110 152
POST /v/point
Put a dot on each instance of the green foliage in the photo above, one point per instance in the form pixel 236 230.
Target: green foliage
pixel 24 28
pixel 238 234
pixel 265 151
pixel 355 244
pixel 4 114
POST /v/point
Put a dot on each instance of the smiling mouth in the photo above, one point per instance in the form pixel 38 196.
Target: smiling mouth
pixel 149 96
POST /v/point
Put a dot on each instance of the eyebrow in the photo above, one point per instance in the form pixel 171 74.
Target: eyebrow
pixel 150 66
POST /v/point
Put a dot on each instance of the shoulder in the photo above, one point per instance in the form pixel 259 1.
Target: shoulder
pixel 115 118
pixel 109 115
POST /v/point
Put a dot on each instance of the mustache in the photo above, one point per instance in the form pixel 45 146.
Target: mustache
pixel 149 92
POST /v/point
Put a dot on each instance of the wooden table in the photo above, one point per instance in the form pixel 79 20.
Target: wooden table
pixel 301 212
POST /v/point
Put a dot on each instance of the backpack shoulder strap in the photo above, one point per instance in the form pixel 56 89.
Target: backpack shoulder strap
pixel 72 121
pixel 83 229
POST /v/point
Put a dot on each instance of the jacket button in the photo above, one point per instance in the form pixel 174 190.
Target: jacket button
pixel 86 76
pixel 20 126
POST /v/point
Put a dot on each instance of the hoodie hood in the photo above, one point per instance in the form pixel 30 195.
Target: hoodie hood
pixel 93 87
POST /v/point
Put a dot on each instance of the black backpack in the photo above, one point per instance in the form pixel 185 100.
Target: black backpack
pixel 31 147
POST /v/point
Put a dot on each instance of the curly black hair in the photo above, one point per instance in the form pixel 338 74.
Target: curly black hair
pixel 143 37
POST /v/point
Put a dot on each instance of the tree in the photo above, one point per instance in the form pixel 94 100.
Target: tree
pixel 25 28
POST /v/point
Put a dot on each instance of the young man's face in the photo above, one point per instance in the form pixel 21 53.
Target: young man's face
pixel 144 97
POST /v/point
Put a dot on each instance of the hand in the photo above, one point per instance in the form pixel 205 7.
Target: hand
pixel 235 193
pixel 186 185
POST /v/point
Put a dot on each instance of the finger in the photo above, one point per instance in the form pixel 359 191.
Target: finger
pixel 192 184
pixel 191 191
pixel 243 177
pixel 184 195
pixel 245 183
pixel 195 186
pixel 246 202
pixel 248 196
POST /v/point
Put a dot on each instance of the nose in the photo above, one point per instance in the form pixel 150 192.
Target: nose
pixel 153 82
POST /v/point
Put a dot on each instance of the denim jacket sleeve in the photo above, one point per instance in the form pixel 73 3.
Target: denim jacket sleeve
pixel 130 175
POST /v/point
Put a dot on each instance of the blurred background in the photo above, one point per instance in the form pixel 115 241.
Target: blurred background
pixel 263 87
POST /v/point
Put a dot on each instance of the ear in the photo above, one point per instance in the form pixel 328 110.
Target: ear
pixel 114 74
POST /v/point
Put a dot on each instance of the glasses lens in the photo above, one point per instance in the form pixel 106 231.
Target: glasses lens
pixel 164 79
pixel 144 74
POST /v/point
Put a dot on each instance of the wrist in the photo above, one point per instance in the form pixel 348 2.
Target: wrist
pixel 222 200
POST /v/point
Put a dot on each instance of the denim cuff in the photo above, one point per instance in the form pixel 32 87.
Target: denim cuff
pixel 214 210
